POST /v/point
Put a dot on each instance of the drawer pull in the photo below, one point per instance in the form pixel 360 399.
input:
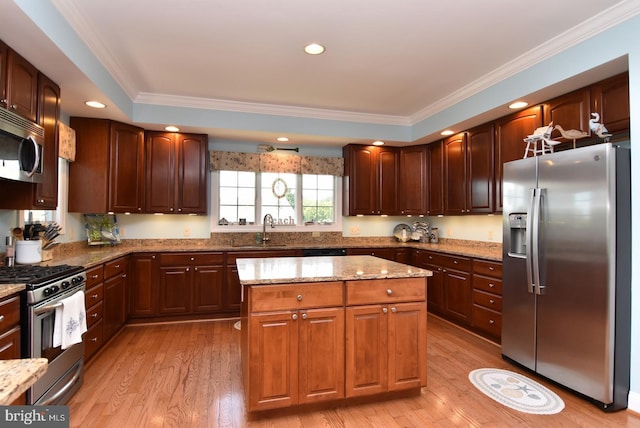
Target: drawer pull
pixel 299 297
pixel 192 258
pixel 1 318
pixel 491 321
pixel 94 276
pixel 491 268
pixel 304 316
pixel 389 292
pixel 394 310
pixel 385 310
pixel 94 315
pixel 455 262
pixel 294 317
pixel 491 285
pixel 94 296
pixel 492 301
pixel 95 339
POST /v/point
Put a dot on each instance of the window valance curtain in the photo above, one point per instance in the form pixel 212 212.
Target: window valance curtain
pixel 276 162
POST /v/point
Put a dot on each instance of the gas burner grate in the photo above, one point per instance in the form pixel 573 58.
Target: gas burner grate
pixel 33 275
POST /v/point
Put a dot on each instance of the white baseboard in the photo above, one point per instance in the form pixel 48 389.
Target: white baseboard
pixel 634 401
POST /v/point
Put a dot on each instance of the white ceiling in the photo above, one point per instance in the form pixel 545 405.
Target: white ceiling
pixel 386 61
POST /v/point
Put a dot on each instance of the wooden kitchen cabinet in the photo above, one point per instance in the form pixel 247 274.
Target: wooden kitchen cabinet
pixel 370 183
pixel 480 181
pixel 115 289
pixel 610 98
pixel 487 298
pixel 108 173
pixel 294 344
pixel 455 174
pixel 10 334
pixel 435 295
pixel 94 304
pixel 143 298
pixel 4 51
pixel 20 82
pixel 456 288
pixel 190 283
pixel 435 173
pixel 510 132
pixel 386 342
pixel 176 173
pixel 44 195
pixel 413 191
pixel 383 253
pixel 570 111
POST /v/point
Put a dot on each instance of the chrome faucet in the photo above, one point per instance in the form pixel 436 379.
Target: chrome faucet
pixel 267 218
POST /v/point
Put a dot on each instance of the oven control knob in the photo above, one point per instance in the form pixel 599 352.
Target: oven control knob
pixel 65 285
pixel 49 291
pixel 76 280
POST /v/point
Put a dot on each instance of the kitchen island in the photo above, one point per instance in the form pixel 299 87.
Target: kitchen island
pixel 327 329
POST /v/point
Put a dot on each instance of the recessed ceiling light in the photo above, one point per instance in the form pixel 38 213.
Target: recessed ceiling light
pixel 314 49
pixel 282 139
pixel 446 132
pixel 378 143
pixel 171 128
pixel 518 104
pixel 95 104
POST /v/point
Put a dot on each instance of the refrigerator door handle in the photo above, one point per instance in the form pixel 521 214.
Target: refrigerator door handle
pixel 535 237
pixel 529 241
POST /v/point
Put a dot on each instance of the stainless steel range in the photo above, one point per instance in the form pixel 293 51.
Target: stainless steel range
pixel 46 287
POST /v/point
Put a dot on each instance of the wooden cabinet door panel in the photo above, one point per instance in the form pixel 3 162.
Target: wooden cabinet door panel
pixel 174 291
pixel 360 180
pixel 480 167
pixel 366 341
pixel 457 295
pixel 232 290
pixel 455 174
pixel 273 361
pixel 126 168
pixel 46 193
pixel 435 297
pixel 321 354
pixel 207 288
pixel 4 51
pixel 144 286
pixel 570 111
pixel 610 98
pixel 413 181
pixel 407 346
pixel 160 177
pixel 10 344
pixel 510 133
pixel 387 179
pixel 22 86
pixel 192 174
pixel 436 178
pixel 114 314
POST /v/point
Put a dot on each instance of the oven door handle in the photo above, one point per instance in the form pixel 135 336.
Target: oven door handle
pixel 47 308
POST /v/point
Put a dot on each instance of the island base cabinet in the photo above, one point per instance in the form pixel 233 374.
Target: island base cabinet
pixel 386 348
pixel 295 357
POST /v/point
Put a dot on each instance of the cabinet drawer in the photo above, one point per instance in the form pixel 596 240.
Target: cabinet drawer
pixel 454 262
pixel 115 267
pixel 93 295
pixel 488 268
pixel 10 344
pixel 487 321
pixel 191 259
pixel 93 339
pixel 232 256
pixel 95 275
pixel 295 296
pixel 9 313
pixel 386 291
pixel 492 285
pixel 487 300
pixel 94 314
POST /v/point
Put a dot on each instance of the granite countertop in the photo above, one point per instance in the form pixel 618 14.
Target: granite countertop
pixel 284 270
pixel 16 376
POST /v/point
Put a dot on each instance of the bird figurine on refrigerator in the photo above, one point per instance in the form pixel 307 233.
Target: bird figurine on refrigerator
pixel 571 134
pixel 598 128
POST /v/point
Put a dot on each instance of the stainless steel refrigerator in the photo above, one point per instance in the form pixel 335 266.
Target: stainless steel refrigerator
pixel 567 270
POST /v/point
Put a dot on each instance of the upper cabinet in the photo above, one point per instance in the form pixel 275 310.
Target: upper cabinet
pixel 570 111
pixel 413 193
pixel 435 173
pixel 370 180
pixel 108 173
pixel 610 98
pixel 480 169
pixel 176 174
pixel 510 133
pixel 455 174
pixel 20 84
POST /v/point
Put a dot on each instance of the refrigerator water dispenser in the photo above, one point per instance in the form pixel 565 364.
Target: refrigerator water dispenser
pixel 517 235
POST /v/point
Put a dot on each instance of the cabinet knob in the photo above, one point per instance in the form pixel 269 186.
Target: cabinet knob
pixel 179 209
pixel 384 310
pixel 94 315
pixel 492 301
pixel 117 266
pixel 299 297
pixel 304 316
pixel 294 317
pixel 394 309
pixel 491 285
pixel 94 296
pixel 171 209
pixel 124 275
pixel 455 262
pixel 94 339
pixel 186 270
pixel 94 276
pixel 41 201
pixel 491 268
pixel 1 318
pixel 3 101
pixel 153 257
pixel 491 321
pixel 389 292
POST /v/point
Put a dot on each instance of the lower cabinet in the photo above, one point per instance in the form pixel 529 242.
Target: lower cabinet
pixel 115 289
pixel 93 302
pixel 312 342
pixel 143 295
pixel 10 334
pixel 487 298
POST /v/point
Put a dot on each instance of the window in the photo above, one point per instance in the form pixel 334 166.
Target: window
pixel 305 201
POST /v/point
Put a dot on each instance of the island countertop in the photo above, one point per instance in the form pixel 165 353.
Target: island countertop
pixel 284 270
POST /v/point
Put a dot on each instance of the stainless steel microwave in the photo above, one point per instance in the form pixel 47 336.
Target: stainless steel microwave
pixel 21 144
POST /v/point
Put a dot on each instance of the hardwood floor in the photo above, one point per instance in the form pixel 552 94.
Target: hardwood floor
pixel 188 375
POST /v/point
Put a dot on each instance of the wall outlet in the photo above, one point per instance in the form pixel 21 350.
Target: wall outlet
pixel 186 231
pixel 490 235
pixel 315 234
pixel 354 230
